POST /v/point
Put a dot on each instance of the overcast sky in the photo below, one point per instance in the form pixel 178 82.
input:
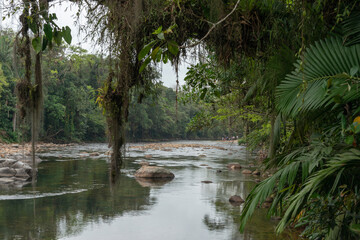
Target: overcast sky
pixel 66 17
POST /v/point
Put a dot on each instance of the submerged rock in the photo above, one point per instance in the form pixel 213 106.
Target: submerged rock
pixel 206 181
pixel 234 166
pixel 153 172
pixel 236 200
pixel 153 182
pixel 246 171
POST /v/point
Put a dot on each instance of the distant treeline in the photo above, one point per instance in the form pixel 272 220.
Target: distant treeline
pixel 71 80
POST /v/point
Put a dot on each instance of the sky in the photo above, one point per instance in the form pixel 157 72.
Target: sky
pixel 66 11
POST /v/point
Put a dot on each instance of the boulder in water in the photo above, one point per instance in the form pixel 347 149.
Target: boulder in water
pixel 236 200
pixel 153 172
pixel 234 166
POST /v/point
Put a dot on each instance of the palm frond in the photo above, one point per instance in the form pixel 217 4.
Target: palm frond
pixel 327 76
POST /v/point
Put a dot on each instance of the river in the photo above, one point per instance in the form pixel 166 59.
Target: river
pixel 74 198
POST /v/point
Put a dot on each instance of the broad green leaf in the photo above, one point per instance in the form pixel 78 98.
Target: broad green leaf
pixel 144 65
pixel 165 58
pixel 44 43
pixel 146 49
pixel 173 47
pixel 161 36
pixel 349 140
pixel 154 53
pixel 66 33
pixel 57 37
pixel 355 228
pixel 48 31
pixel 354 70
pixel 36 43
pixel 157 31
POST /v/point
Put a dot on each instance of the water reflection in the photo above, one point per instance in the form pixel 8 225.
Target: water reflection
pixel 74 198
pixel 56 212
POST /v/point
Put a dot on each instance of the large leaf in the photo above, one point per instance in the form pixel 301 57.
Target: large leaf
pixel 351 29
pixel 322 77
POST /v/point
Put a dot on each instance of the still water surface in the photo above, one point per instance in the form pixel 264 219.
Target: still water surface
pixel 74 198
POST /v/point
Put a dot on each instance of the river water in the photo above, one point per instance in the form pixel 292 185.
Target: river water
pixel 74 198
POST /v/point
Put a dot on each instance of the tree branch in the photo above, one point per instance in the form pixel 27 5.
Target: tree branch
pixel 211 29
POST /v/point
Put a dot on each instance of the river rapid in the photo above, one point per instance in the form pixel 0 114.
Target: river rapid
pixel 75 199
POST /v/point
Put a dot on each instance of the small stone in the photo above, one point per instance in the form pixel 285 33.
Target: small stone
pixel 94 154
pixel 148 156
pixel 144 163
pixel 257 180
pixel 246 171
pixel 234 166
pixel 256 172
pixel 204 165
pixel 276 218
pixel 269 200
pixel 206 181
pixel 202 155
pixel 236 200
pixel 218 171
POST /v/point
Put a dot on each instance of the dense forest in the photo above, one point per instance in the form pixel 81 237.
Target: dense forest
pixel 284 72
pixel 72 78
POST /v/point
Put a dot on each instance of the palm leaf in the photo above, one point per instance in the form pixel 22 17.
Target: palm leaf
pixel 323 79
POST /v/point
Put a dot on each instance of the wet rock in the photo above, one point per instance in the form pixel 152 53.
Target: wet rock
pixel 7 172
pixel 19 165
pixel 94 154
pixel 209 167
pixel 8 163
pixel 167 150
pixel 218 171
pixel 22 174
pixel 204 165
pixel 234 166
pixel 256 172
pixel 144 163
pixel 269 200
pixel 4 180
pixel 230 154
pixel 206 181
pixel 152 182
pixel 202 155
pixel 246 171
pixel 266 205
pixel 153 172
pixel 236 200
pixel 148 156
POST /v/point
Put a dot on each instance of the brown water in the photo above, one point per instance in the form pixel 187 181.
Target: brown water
pixel 74 199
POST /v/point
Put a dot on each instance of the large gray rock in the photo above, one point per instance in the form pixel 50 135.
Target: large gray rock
pixel 8 163
pixel 23 174
pixel 7 172
pixel 153 172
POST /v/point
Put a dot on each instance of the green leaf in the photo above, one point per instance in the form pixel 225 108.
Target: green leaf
pixel 144 65
pixel 165 58
pixel 354 70
pixel 44 43
pixel 349 140
pixel 173 47
pixel 154 53
pixel 161 36
pixel 48 31
pixel 66 33
pixel 36 43
pixel 355 228
pixel 57 37
pixel 157 31
pixel 146 49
